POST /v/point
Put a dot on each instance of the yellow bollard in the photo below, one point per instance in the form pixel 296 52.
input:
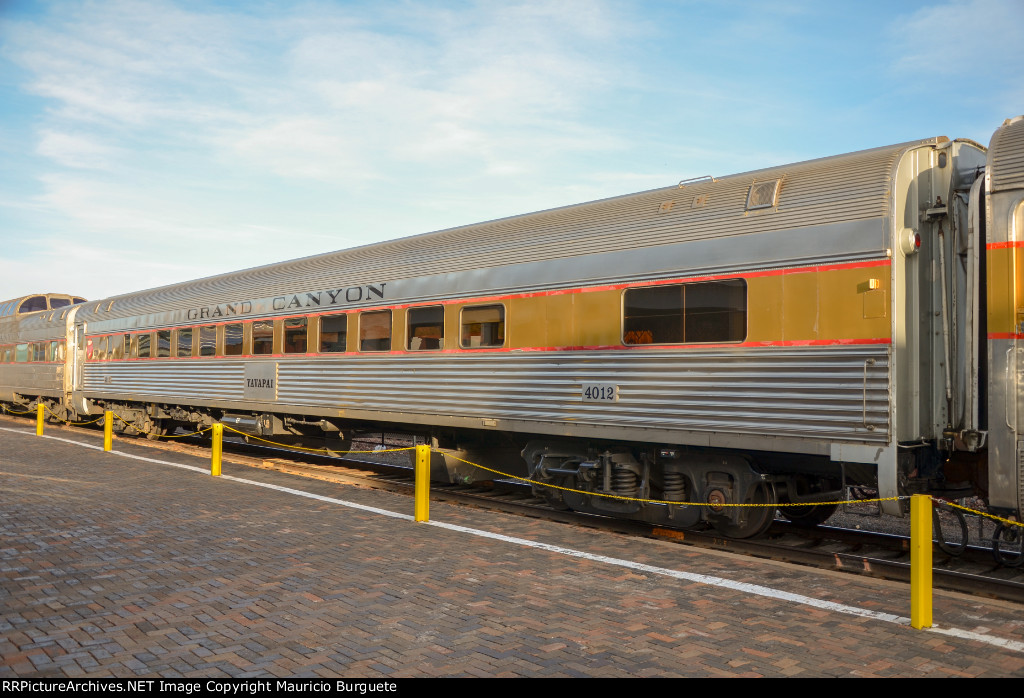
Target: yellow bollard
pixel 218 436
pixel 40 416
pixel 108 430
pixel 422 483
pixel 921 561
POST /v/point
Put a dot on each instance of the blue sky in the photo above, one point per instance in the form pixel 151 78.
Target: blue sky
pixel 146 143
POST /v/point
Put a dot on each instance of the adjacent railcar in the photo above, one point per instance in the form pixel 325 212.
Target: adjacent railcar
pixel 765 337
pixel 33 340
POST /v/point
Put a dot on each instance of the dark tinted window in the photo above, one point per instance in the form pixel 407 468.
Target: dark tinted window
pixel 30 305
pixel 710 311
pixel 333 333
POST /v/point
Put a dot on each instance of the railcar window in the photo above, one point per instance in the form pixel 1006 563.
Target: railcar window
pixel 38 351
pixel 183 348
pixel 133 346
pixel 708 311
pixel 263 337
pixel 118 342
pixel 31 305
pixel 426 328
pixel 295 335
pixel 763 194
pixel 233 339
pixel 483 326
pixel 163 344
pixel 208 340
pixel 333 333
pixel 60 350
pixel 76 300
pixel 375 331
pixel 145 346
pixel 99 348
pixel 90 344
pixel 21 353
pixel 56 303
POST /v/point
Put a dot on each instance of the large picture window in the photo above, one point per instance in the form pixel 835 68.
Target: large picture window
pixel 701 312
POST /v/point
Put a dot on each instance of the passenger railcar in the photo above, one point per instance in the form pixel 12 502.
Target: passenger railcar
pixel 766 337
pixel 33 339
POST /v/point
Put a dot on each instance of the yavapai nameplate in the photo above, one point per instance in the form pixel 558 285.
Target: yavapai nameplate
pixel 261 380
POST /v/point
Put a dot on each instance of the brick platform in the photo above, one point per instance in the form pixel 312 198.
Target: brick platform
pixel 111 566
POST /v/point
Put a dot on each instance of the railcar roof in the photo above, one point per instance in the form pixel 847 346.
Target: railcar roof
pixel 12 306
pixel 840 188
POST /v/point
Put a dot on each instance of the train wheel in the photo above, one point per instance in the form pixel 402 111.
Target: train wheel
pixel 155 429
pixel 553 497
pixel 758 519
pixel 958 544
pixel 1008 545
pixel 338 448
pixel 808 516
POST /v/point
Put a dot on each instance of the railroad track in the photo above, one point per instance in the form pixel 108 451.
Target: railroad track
pixel 881 555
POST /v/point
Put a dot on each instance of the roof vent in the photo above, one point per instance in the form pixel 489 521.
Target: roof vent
pixel 763 194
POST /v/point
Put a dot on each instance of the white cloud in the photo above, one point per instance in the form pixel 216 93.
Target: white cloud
pixel 75 150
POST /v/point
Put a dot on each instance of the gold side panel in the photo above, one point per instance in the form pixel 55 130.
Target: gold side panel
pixel 1001 263
pixel 764 319
pixel 598 318
pixel 853 303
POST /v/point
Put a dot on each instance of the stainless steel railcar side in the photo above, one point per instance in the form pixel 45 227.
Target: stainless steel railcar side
pixel 806 386
pixel 873 302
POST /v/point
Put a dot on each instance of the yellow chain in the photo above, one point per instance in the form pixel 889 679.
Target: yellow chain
pixel 660 501
pixel 132 425
pixel 993 517
pixel 1009 522
pixel 76 424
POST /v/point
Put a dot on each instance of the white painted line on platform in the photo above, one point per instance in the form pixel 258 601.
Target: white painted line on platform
pixel 754 589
